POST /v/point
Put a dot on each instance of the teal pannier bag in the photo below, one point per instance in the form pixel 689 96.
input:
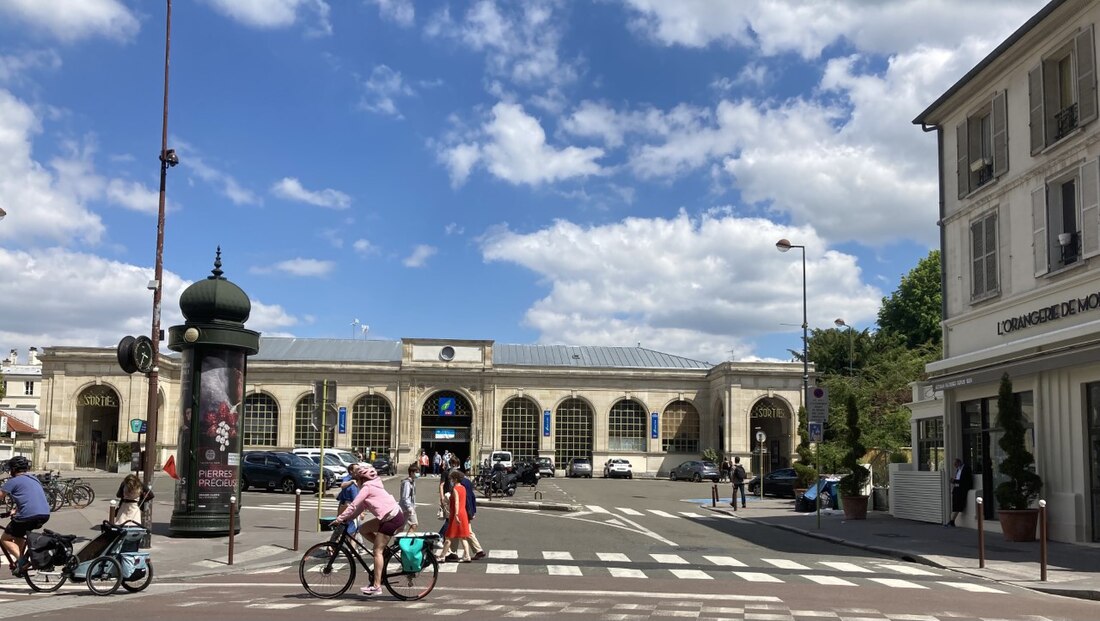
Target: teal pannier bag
pixel 412 553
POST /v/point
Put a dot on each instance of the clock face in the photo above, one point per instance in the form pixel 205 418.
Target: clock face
pixel 143 354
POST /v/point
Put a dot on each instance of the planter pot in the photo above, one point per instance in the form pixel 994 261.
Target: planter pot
pixel 1018 524
pixel 855 507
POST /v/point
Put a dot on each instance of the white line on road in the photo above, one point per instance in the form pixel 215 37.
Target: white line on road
pixel 663 514
pixel 783 563
pixel 690 574
pixel 629 511
pixel 563 570
pixel 672 559
pixel 850 567
pixel 556 556
pixel 973 588
pixel 908 569
pixel 597 509
pixel 755 576
pixel 613 557
pixel 898 584
pixel 829 580
pixel 626 572
pixel 694 516
pixel 502 568
pixel 726 561
pixel 503 554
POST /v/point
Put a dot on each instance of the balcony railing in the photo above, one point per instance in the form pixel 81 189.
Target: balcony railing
pixel 1070 243
pixel 1065 121
pixel 985 174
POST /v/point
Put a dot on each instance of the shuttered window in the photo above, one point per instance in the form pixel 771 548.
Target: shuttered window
pixel 983 145
pixel 983 252
pixel 1062 91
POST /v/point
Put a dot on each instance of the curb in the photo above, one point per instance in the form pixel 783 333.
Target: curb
pixel 534 505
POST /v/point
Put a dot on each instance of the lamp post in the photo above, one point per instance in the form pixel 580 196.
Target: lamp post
pixel 851 347
pixel 784 245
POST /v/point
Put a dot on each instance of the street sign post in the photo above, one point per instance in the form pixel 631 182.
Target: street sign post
pixel 138 425
pixel 817 432
pixel 343 420
pixel 818 405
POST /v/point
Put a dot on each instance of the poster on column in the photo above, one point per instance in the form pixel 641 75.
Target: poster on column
pixel 183 447
pixel 218 449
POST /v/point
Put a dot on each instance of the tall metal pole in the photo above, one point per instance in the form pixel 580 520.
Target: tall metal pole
pixel 806 379
pixel 152 411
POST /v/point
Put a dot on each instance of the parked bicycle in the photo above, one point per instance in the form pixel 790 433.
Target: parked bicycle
pixel 327 570
pixel 61 492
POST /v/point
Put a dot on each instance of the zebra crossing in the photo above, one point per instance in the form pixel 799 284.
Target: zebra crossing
pixel 598 511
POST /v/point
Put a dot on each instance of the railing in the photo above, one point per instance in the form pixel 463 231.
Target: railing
pixel 985 174
pixel 1065 121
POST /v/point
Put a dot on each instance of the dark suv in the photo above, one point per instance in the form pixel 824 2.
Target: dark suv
pixel 278 470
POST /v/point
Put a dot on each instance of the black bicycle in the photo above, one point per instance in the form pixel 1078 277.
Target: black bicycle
pixel 409 571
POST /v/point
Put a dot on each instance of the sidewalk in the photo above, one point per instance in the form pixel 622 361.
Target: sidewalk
pixel 1073 570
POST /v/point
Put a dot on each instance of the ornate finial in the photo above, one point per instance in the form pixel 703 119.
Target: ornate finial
pixel 217 271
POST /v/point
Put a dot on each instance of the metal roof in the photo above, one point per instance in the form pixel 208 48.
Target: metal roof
pixel 349 350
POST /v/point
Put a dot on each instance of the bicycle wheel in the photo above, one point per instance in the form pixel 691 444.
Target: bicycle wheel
pixel 81 496
pixel 134 586
pixel 46 581
pixel 55 498
pixel 406 585
pixel 104 575
pixel 326 570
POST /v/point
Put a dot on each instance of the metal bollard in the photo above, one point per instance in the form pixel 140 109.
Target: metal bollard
pixel 297 515
pixel 714 495
pixel 981 533
pixel 1043 540
pixel 111 513
pixel 232 518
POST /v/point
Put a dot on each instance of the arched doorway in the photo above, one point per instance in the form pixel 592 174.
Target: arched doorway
pixel 261 421
pixel 773 417
pixel 572 431
pixel 519 428
pixel 370 425
pixel 445 422
pixel 627 426
pixel 680 429
pixel 97 409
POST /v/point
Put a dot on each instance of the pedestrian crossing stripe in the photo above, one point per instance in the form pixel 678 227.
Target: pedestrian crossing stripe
pixel 897 583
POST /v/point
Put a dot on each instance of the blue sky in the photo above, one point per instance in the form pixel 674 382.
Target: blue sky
pixel 604 172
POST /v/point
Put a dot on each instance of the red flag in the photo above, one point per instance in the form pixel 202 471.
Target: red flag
pixel 170 467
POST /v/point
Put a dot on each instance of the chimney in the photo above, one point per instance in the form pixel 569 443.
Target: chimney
pixel 32 357
pixel 13 357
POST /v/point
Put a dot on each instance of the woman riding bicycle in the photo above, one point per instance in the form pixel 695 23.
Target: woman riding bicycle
pixel 386 518
pixel 32 510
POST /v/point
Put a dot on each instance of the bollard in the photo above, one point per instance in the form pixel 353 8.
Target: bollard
pixel 1043 540
pixel 111 513
pixel 714 495
pixel 232 518
pixel 981 533
pixel 297 515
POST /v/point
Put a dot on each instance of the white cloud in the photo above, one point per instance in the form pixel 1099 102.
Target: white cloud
pixel 678 284
pixel 13 66
pixel 420 256
pixel 753 74
pixel 383 86
pixel 400 11
pixel 133 195
pixel 291 189
pixel 297 267
pixel 597 120
pixel 364 247
pixel 516 151
pixel 273 14
pixel 453 228
pixel 191 158
pixel 72 21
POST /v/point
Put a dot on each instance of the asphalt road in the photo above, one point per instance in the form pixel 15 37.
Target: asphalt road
pixel 640 550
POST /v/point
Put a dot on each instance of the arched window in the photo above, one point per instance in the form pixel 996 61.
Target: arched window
pixel 261 421
pixel 680 428
pixel 626 426
pixel 572 431
pixel 519 428
pixel 304 433
pixel 370 425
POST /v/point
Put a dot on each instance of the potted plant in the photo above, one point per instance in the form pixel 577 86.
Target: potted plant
pixel 803 478
pixel 803 468
pixel 851 485
pixel 122 455
pixel 1015 496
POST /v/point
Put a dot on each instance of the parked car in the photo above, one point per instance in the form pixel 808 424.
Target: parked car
pixel 778 482
pixel 334 468
pixel 504 458
pixel 546 467
pixel 616 467
pixel 384 466
pixel 695 470
pixel 579 467
pixel 346 457
pixel 278 470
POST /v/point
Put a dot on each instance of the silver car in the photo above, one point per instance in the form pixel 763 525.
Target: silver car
pixel 695 470
pixel 579 467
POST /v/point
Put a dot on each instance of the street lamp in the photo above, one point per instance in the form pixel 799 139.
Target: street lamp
pixel 851 347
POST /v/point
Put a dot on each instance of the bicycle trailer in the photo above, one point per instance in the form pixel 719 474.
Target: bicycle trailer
pixel 120 542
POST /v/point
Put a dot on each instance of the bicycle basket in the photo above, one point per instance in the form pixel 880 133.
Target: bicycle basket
pixel 412 553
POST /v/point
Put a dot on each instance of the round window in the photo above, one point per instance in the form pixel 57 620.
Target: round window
pixel 447 353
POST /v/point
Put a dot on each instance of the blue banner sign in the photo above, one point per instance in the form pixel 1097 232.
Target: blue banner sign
pixel 654 429
pixel 343 424
pixel 546 423
pixel 444 434
pixel 446 406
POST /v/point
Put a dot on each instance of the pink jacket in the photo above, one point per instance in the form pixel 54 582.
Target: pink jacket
pixel 373 498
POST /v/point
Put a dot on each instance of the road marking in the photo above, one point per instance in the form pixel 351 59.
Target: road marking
pixel 908 569
pixel 671 559
pixel 448 568
pixel 725 561
pixel 625 572
pixel 691 574
pixel 783 563
pixel 557 556
pixel 663 514
pixel 754 576
pixel 597 509
pixel 270 570
pixel 501 568
pixel 694 516
pixel 898 584
pixel 851 567
pixel 503 554
pixel 973 588
pixel 563 570
pixel 274 606
pixel 613 557
pixel 829 580
pixel 629 511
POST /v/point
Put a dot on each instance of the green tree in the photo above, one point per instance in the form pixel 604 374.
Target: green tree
pixel 853 482
pixel 913 311
pixel 1023 485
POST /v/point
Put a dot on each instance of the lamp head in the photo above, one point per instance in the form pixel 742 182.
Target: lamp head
pixel 838 322
pixel 783 245
pixel 170 157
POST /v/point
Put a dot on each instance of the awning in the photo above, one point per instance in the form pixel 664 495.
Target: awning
pixel 1035 363
pixel 16 425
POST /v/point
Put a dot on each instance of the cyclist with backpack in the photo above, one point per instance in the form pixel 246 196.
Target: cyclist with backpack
pixel 32 510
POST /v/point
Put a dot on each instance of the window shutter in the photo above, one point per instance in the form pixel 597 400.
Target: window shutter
pixel 1086 76
pixel 1039 229
pixel 1090 209
pixel 963 172
pixel 1000 134
pixel 1035 105
pixel 991 253
pixel 977 258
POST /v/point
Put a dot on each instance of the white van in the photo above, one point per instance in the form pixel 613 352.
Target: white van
pixel 346 457
pixel 500 457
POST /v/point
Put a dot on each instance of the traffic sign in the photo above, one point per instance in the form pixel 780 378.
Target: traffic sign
pixel 332 416
pixel 761 437
pixel 138 425
pixel 343 420
pixel 818 405
pixel 817 432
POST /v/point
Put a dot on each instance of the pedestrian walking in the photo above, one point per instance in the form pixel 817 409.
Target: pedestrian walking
pixel 458 524
pixel 471 513
pixel 738 477
pixel 466 465
pixel 132 496
pixel 408 498
pixel 724 470
pixel 961 482
pixel 425 462
pixel 436 462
